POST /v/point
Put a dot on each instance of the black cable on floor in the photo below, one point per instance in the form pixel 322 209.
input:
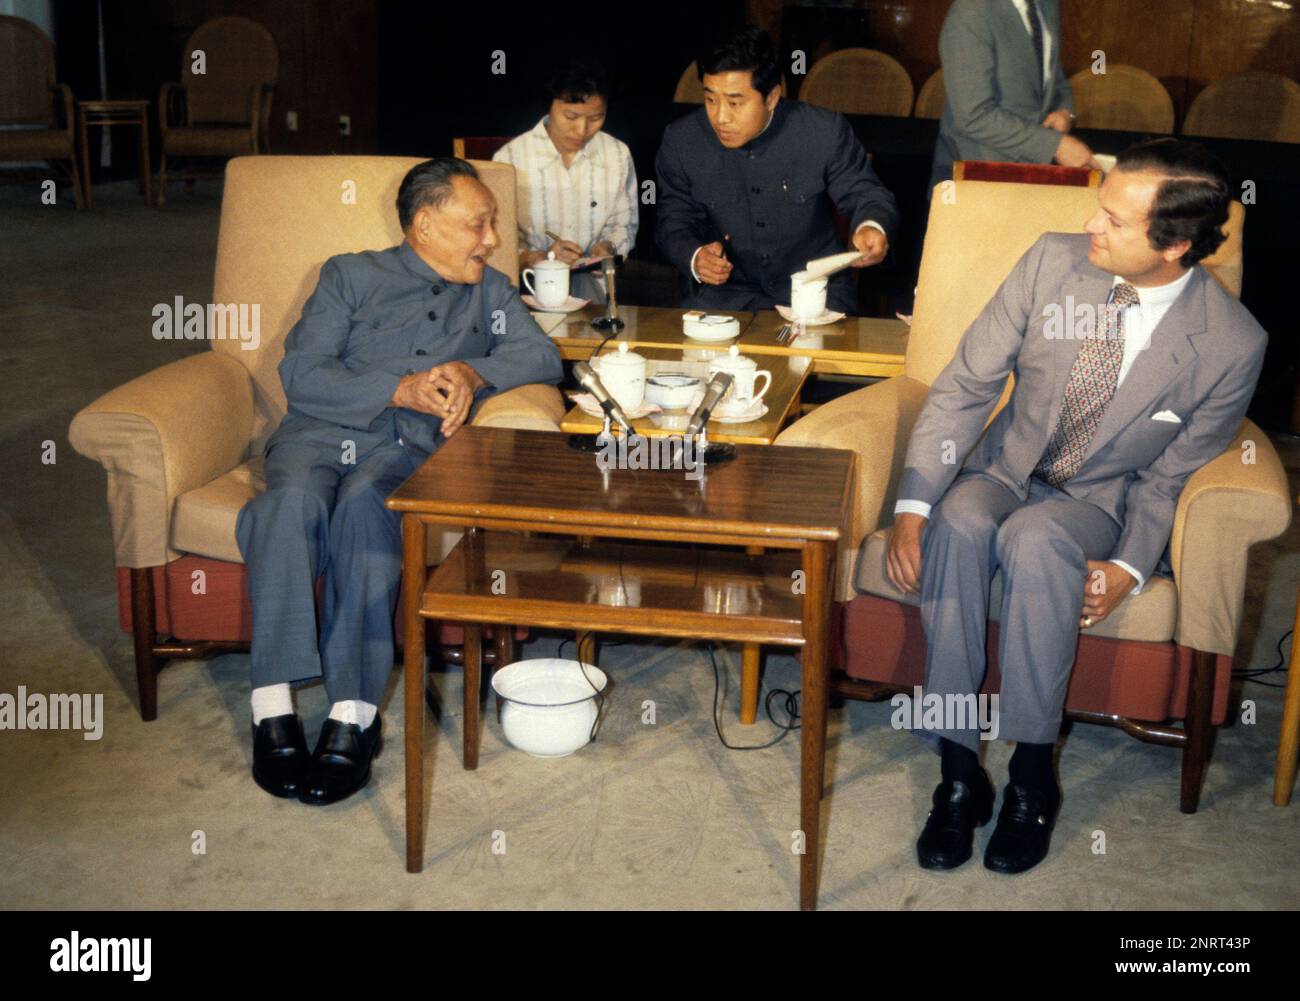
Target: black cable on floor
pixel 1253 676
pixel 791 709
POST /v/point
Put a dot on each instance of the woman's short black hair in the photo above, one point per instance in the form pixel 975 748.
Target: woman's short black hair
pixel 1191 202
pixel 428 183
pixel 750 49
pixel 577 78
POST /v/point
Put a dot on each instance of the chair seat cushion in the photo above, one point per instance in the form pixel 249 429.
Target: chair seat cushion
pixel 208 140
pixel 1148 617
pixel 203 521
pixel 35 144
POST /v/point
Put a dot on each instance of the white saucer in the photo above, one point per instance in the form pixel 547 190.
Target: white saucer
pixel 568 306
pixel 827 316
pixel 753 412
pixel 589 406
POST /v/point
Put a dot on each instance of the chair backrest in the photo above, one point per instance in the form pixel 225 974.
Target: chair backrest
pixel 689 89
pixel 930 101
pixel 238 55
pixel 974 239
pixel 282 217
pixel 26 73
pixel 477 147
pixel 859 82
pixel 1124 97
pixel 1247 106
pixel 1025 173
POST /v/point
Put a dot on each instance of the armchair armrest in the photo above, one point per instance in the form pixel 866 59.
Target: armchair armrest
pixel 171 98
pixel 264 112
pixel 875 423
pixel 535 407
pixel 63 101
pixel 160 435
pixel 1227 506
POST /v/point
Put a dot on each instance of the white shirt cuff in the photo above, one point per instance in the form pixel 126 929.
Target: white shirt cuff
pixel 1132 573
pixel 912 507
pixel 694 273
pixel 873 224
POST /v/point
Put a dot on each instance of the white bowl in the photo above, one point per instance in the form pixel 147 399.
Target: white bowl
pixel 671 391
pixel 550 704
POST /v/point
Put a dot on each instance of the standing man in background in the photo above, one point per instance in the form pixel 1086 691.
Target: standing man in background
pixel 1008 98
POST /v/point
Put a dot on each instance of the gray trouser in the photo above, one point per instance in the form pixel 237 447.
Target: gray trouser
pixel 1042 545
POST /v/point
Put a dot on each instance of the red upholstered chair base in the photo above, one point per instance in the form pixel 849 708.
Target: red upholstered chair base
pixel 1135 686
pixel 201 605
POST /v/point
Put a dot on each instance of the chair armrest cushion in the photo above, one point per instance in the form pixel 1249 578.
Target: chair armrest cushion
pixel 534 407
pixel 63 98
pixel 160 435
pixel 1227 506
pixel 170 96
pixel 875 423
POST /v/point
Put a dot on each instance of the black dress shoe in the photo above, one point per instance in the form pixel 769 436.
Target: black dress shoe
pixel 341 763
pixel 949 832
pixel 1024 829
pixel 279 755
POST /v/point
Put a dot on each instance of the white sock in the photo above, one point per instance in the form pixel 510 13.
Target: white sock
pixel 354 711
pixel 271 700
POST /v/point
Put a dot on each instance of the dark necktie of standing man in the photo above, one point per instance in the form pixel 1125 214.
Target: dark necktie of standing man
pixel 1091 384
pixel 1036 32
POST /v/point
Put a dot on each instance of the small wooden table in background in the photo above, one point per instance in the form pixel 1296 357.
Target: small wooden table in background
pixel 107 114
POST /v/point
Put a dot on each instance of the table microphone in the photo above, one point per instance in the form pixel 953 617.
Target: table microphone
pixel 714 392
pixel 590 381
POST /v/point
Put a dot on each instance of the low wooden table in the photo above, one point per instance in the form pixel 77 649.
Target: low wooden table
pixel 109 113
pixel 791 502
pixel 856 345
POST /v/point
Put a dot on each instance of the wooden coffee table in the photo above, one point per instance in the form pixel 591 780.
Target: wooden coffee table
pixel 790 502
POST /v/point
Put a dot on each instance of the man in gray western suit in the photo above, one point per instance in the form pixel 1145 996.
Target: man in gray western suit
pixel 394 349
pixel 1007 97
pixel 1072 489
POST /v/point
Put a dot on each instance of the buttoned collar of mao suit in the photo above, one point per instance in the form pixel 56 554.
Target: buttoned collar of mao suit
pixel 416 264
pixel 545 152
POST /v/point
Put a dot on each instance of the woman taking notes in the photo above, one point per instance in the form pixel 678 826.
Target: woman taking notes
pixel 575 181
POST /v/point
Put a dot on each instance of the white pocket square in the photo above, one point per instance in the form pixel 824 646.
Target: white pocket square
pixel 1167 415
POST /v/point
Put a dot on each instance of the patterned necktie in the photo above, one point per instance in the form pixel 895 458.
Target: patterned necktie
pixel 1088 391
pixel 1036 31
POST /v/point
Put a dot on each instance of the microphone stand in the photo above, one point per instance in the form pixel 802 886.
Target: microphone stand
pixel 610 321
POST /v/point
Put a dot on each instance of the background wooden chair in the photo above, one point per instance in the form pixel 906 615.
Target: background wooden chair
pixel 477 147
pixel 1288 748
pixel 1025 173
pixel 689 89
pixel 224 111
pixel 1164 655
pixel 31 98
pixel 859 82
pixel 1247 106
pixel 931 99
pixel 182 445
pixel 1124 98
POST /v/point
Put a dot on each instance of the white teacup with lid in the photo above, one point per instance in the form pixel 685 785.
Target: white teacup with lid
pixel 623 374
pixel 744 373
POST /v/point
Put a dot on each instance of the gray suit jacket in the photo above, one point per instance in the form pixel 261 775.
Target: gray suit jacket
pixel 995 94
pixel 1202 363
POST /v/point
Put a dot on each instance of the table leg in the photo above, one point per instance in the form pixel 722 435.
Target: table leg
pixel 146 168
pixel 413 578
pixel 473 657
pixel 816 631
pixel 751 660
pixel 503 642
pixel 85 160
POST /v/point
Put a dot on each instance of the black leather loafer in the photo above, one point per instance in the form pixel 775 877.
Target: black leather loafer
pixel 340 765
pixel 280 755
pixel 1024 829
pixel 945 842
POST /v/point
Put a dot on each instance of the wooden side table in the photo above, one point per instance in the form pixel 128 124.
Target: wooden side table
pixel 498 483
pixel 107 114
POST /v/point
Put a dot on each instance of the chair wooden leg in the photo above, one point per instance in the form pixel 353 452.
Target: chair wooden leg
pixel 162 179
pixel 143 628
pixel 80 184
pixel 1196 750
pixel 1288 748
pixel 473 667
pixel 751 659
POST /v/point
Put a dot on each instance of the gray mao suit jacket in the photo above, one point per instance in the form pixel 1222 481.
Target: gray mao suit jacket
pixel 1202 363
pixel 996 98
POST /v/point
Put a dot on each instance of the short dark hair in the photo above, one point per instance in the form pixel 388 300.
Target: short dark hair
pixel 1191 202
pixel 429 183
pixel 750 49
pixel 578 77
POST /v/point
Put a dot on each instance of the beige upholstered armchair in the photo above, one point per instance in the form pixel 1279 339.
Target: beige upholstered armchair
pixel 31 98
pixel 1164 655
pixel 223 109
pixel 182 444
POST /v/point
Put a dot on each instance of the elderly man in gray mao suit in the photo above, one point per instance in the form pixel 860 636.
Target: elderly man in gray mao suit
pixel 1007 97
pixel 1072 489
